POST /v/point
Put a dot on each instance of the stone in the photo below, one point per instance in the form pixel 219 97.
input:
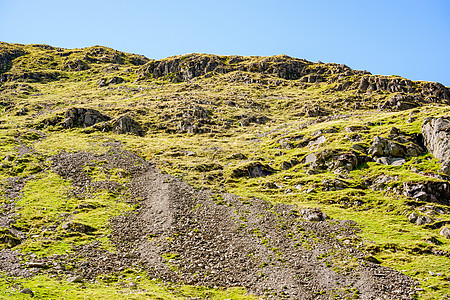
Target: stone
pixel 310 158
pixel 253 170
pixel 356 128
pixel 313 214
pixel 401 102
pixel 422 220
pixel 77 227
pixel 436 134
pixel 384 147
pixel 445 232
pixel 125 124
pixel 430 191
pixel 27 291
pixel 75 279
pixel 398 161
pixel 358 147
pixel 413 217
pixel 37 264
pixel 317 142
pixel 237 156
pixel 83 117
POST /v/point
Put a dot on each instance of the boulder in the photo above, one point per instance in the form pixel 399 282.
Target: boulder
pixel 27 291
pixel 313 214
pixel 436 134
pixel 422 220
pixel 125 124
pixel 83 117
pixel 77 227
pixel 394 161
pixel 384 147
pixel 253 169
pixel 445 232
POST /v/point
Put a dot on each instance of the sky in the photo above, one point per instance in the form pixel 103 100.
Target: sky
pixel 408 38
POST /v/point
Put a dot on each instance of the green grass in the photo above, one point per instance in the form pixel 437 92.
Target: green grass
pixel 126 286
pixel 203 160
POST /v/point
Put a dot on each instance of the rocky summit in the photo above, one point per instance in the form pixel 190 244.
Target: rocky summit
pixel 220 177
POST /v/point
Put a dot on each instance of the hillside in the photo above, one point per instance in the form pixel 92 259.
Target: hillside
pixel 224 177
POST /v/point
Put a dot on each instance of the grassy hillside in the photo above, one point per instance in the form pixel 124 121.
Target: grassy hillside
pixel 241 125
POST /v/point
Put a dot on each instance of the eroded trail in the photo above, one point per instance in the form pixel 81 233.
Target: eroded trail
pixel 196 237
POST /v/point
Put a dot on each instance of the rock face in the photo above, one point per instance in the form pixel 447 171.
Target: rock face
pixel 187 67
pixel 401 102
pixel 83 117
pixel 436 133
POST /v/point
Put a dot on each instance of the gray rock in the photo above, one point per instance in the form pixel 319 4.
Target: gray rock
pixel 125 124
pixel 445 232
pixel 310 158
pixel 413 217
pixel 36 264
pixel 436 133
pixel 237 156
pixel 74 279
pixel 313 214
pixel 83 117
pixel 27 291
pixel 317 142
pixel 384 147
pixel 430 191
pixel 398 161
pixel 445 168
pixel 356 128
pixel 422 220
pixel 400 102
pixel 358 147
pixel 77 227
pixel 394 161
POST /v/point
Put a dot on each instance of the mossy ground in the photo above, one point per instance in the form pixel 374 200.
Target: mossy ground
pixel 205 160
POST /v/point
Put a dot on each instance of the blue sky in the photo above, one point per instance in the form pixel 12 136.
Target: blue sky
pixel 398 37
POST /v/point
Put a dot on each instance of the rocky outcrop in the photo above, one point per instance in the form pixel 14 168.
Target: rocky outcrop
pixel 125 124
pixel 252 170
pixel 83 117
pixel 402 102
pixel 114 80
pixel 334 161
pixel 185 68
pixel 436 133
pixel 430 191
pixel 394 150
